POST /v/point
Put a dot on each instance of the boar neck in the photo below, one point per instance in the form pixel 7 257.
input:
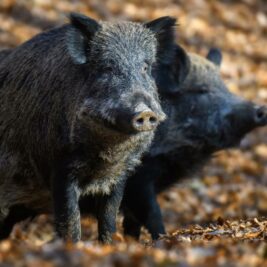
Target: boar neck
pixel 107 154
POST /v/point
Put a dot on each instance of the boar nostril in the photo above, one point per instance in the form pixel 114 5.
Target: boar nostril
pixel 261 115
pixel 145 121
pixel 153 120
pixel 140 121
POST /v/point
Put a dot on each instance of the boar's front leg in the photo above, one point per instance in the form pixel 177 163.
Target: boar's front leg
pixel 108 207
pixel 154 221
pixel 142 209
pixel 131 226
pixel 66 207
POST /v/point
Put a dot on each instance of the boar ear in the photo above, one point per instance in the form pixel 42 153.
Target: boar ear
pixel 78 37
pixel 164 30
pixel 169 77
pixel 215 56
pixel 181 65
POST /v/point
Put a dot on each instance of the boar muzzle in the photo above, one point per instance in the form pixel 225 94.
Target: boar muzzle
pixel 145 121
pixel 139 119
pixel 243 118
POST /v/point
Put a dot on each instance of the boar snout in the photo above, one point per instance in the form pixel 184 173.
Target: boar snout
pixel 260 116
pixel 244 117
pixel 138 120
pixel 145 121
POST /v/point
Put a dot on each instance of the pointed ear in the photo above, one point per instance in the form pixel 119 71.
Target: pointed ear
pixel 215 56
pixel 171 76
pixel 78 36
pixel 181 65
pixel 164 30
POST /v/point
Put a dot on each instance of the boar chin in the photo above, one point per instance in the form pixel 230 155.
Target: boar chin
pixel 230 139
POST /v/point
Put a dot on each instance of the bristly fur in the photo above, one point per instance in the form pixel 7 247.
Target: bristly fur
pixel 164 33
pixel 65 99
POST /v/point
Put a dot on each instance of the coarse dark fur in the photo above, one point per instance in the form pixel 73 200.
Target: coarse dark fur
pixel 65 99
pixel 4 53
pixel 203 117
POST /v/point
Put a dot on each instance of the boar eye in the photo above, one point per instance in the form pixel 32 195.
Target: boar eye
pixel 146 68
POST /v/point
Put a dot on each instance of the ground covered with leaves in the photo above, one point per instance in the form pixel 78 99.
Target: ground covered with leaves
pixel 216 218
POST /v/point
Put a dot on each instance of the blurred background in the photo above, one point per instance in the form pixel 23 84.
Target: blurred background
pixel 233 186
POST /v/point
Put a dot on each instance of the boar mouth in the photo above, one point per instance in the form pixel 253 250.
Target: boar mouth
pixel 115 128
pixel 227 140
pixel 109 121
pixel 216 141
pixel 230 138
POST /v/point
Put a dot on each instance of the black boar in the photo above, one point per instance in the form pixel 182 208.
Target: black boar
pixel 203 117
pixel 78 106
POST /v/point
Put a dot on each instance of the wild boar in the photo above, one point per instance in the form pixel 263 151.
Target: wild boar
pixel 78 107
pixel 203 117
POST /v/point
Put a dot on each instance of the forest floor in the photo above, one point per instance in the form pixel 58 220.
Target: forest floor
pixel 216 218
